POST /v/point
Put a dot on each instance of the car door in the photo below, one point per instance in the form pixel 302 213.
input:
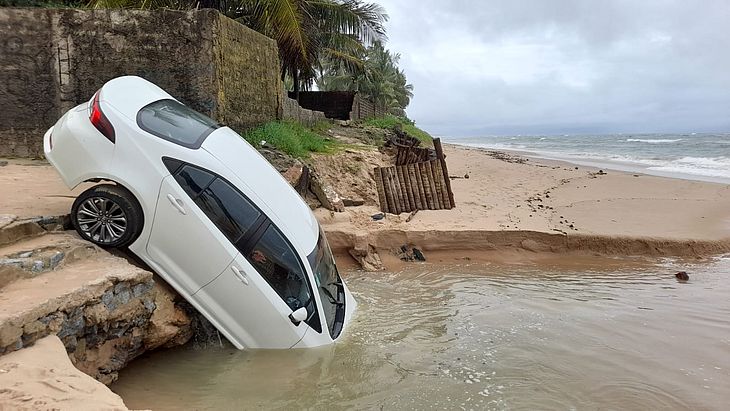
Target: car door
pixel 197 220
pixel 255 296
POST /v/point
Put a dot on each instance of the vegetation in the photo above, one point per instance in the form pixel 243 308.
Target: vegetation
pixel 290 137
pixel 391 122
pixel 380 79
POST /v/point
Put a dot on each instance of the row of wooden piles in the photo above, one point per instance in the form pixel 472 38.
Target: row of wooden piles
pixel 419 180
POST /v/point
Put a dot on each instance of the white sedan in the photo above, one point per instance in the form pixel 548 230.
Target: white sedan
pixel 205 211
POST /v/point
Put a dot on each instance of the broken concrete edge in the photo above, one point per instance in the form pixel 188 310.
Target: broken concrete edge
pixel 105 323
pixel 14 229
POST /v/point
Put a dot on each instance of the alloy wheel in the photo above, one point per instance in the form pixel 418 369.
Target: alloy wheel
pixel 101 220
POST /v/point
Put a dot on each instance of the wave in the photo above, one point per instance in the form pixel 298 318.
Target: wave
pixel 653 141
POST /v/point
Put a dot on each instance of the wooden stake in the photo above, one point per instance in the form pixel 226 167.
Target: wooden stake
pixel 442 158
pixel 380 187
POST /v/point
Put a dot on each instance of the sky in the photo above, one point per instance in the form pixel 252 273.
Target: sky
pixel 507 67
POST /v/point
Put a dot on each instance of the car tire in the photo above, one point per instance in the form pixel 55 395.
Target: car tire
pixel 108 216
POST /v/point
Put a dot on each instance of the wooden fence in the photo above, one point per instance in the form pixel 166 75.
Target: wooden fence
pixel 416 182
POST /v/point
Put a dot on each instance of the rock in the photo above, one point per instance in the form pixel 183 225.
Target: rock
pixel 418 255
pixel 407 253
pixel 25 254
pixel 293 174
pixel 9 334
pixel 378 216
pixel 3 163
pixel 37 266
pixel 682 276
pixel 326 194
pixel 353 202
pixel 56 259
pixel 368 257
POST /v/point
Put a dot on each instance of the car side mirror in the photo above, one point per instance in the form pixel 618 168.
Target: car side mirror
pixel 298 316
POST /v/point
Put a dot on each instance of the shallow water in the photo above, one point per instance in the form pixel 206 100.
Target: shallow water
pixel 482 336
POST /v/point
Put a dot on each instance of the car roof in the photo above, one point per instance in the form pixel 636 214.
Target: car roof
pixel 128 94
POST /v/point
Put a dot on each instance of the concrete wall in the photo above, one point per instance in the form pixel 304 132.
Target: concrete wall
pixel 341 105
pixel 53 59
pixel 291 110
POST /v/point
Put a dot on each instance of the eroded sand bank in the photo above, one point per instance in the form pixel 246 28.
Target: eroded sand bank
pixel 511 202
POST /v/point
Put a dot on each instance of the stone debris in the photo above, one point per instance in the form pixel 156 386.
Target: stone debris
pixel 367 256
pixel 409 253
pixel 326 194
pixel 682 276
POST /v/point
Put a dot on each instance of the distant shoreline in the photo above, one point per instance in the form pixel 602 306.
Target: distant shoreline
pixel 626 167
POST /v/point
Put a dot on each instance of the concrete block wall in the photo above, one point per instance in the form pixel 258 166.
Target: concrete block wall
pixel 291 110
pixel 54 59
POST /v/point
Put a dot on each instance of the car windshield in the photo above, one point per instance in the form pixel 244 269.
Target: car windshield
pixel 329 285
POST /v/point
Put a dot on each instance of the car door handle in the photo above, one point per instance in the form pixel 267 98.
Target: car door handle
pixel 241 276
pixel 177 203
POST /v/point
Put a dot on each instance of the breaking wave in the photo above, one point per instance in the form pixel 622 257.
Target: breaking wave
pixel 653 141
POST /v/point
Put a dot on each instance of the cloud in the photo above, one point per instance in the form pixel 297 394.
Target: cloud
pixel 561 66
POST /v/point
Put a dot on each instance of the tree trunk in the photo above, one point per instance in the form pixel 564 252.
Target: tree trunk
pixel 296 84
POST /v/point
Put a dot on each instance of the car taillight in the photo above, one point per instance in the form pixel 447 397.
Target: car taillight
pixel 99 120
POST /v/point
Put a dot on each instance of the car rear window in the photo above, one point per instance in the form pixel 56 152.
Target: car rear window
pixel 175 122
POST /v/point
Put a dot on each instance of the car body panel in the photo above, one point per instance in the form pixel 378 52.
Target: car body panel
pixel 242 312
pixel 206 253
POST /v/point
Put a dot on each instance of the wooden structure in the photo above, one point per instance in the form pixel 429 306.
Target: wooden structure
pixel 418 181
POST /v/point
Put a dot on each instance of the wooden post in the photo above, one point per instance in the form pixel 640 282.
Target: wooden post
pixel 396 189
pixel 380 187
pixel 403 190
pixel 432 183
pixel 444 189
pixel 426 186
pixel 389 191
pixel 440 156
pixel 411 189
pixel 413 184
pixel 420 198
pixel 437 182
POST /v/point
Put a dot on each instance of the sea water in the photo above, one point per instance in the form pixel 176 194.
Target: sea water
pixel 694 156
pixel 618 334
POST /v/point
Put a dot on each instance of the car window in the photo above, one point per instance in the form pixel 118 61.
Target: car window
pixel 175 122
pixel 193 180
pixel 231 212
pixel 277 262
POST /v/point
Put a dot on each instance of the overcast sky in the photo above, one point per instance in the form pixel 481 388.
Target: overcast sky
pixel 564 66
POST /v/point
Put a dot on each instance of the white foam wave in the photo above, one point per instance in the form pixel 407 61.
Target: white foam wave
pixel 652 140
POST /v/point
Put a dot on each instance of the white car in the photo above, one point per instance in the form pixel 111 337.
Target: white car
pixel 205 211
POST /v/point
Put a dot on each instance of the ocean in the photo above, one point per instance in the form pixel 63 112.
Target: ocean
pixel 703 157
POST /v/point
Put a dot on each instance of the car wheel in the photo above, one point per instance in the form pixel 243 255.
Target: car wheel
pixel 108 216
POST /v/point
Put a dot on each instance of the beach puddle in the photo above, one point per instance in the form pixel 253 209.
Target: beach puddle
pixel 482 336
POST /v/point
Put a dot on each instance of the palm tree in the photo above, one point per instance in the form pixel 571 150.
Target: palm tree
pixel 305 30
pixel 379 79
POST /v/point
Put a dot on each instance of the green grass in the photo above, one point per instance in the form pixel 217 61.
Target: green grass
pixel 390 122
pixel 290 137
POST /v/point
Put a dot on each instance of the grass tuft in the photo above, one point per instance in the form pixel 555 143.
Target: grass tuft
pixel 390 122
pixel 290 137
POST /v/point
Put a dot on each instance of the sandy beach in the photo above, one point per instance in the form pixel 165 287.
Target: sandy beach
pixel 514 202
